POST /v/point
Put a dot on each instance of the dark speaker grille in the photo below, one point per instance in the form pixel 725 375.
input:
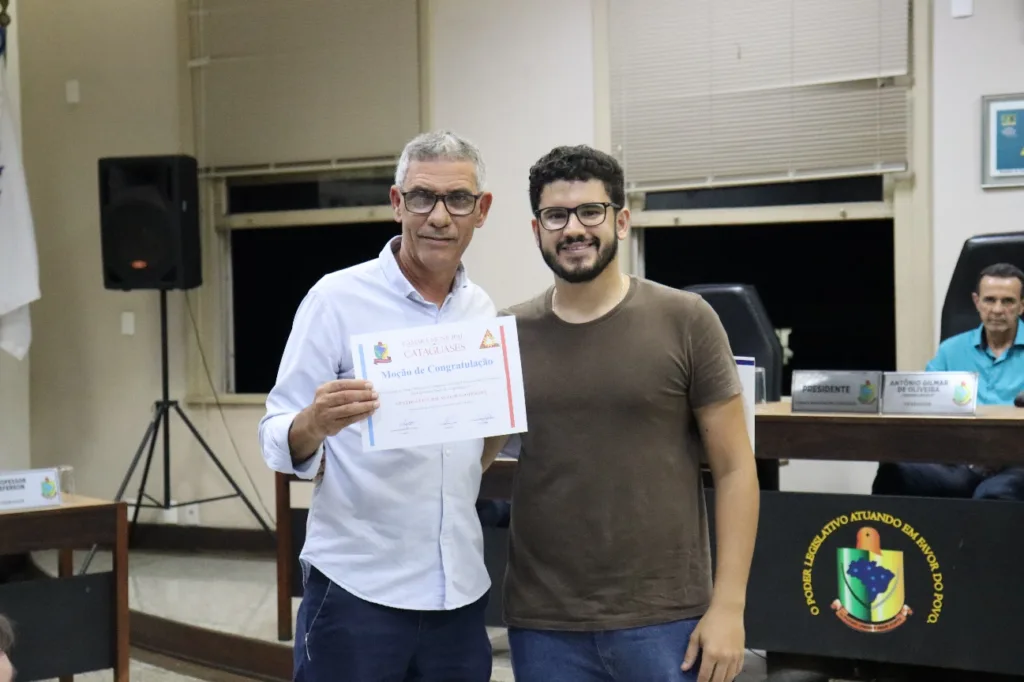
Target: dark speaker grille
pixel 141 231
pixel 150 223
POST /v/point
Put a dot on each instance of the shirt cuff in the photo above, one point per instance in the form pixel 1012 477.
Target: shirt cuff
pixel 278 453
pixel 308 470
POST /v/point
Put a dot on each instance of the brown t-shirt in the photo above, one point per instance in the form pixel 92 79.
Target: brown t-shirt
pixel 609 526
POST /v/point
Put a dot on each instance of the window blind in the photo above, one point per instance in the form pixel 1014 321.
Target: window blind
pixel 303 81
pixel 711 92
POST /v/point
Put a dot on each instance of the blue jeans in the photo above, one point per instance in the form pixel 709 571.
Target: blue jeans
pixel 645 654
pixel 339 636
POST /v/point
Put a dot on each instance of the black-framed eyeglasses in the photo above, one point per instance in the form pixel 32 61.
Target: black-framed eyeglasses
pixel 590 214
pixel 422 202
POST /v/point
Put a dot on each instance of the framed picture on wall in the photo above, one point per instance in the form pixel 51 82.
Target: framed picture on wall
pixel 1002 144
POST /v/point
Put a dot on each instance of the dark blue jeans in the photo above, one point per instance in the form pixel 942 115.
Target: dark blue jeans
pixel 948 480
pixel 341 637
pixel 645 654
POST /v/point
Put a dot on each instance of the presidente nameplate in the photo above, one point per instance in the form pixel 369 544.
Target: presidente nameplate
pixel 938 393
pixel 835 391
pixel 29 489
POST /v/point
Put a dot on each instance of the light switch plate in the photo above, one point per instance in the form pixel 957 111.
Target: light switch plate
pixel 960 9
pixel 72 92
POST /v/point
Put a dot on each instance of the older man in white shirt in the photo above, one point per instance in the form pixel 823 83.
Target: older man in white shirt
pixel 395 582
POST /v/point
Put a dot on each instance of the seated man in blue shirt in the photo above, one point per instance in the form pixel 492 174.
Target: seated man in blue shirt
pixel 995 350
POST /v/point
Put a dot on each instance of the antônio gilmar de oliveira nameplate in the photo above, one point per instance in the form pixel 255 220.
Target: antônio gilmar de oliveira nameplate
pixel 946 393
pixel 835 391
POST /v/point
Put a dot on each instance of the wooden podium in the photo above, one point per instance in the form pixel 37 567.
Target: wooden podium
pixel 74 623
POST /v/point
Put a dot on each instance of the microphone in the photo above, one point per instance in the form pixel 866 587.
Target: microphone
pixel 1019 400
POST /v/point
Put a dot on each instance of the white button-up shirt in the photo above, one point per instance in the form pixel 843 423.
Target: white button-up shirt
pixel 394 527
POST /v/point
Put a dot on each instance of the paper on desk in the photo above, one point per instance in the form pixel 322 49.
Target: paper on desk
pixel 746 368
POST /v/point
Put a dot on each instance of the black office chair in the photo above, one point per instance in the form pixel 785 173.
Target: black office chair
pixel 749 329
pixel 977 253
pixel 751 334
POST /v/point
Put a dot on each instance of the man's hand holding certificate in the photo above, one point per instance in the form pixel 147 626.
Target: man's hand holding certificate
pixel 442 383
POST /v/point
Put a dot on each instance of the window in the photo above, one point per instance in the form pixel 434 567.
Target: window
pixel 832 191
pixel 830 286
pixel 761 118
pixel 275 236
pixel 715 92
pixel 271 271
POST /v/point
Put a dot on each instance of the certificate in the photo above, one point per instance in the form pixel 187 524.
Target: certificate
pixel 442 383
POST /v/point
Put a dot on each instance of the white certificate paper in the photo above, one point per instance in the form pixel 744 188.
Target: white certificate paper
pixel 748 373
pixel 442 383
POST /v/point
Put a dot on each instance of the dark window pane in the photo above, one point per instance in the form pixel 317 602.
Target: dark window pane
pixel 836 190
pixel 272 269
pixel 296 194
pixel 833 284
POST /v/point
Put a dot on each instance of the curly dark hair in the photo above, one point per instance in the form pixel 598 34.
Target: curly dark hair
pixel 6 636
pixel 581 163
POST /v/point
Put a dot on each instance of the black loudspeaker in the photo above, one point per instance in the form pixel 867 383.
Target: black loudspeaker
pixel 149 222
pixel 977 253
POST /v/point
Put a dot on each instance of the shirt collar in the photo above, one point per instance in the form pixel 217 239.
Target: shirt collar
pixel 979 335
pixel 397 279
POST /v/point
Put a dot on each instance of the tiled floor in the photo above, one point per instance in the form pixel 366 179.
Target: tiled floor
pixel 235 595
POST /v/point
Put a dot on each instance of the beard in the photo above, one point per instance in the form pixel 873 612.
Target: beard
pixel 605 255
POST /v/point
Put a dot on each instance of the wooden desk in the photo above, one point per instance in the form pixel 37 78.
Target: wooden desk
pixel 968 538
pixel 72 624
pixel 992 437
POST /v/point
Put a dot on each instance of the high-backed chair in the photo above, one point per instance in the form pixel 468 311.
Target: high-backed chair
pixel 751 334
pixel 749 329
pixel 977 253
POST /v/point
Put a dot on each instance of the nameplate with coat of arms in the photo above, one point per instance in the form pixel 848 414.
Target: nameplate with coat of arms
pixel 835 391
pixel 29 489
pixel 935 393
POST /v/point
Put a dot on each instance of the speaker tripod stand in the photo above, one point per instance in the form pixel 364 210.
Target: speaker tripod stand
pixel 162 410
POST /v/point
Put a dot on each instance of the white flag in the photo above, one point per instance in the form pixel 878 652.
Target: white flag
pixel 19 262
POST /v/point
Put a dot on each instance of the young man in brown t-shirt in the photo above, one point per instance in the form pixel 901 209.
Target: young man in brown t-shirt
pixel 628 385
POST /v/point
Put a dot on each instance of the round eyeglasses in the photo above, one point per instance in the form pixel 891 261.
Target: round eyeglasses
pixel 422 202
pixel 590 215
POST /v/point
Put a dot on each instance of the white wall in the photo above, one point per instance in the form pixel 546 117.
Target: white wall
pixel 14 375
pixel 518 79
pixel 92 388
pixel 974 56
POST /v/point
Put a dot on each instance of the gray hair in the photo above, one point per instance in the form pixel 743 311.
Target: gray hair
pixel 441 145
